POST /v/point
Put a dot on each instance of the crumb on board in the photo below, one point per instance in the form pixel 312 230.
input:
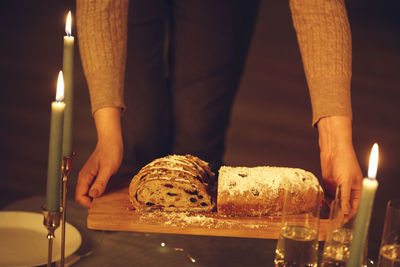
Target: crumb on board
pixel 187 219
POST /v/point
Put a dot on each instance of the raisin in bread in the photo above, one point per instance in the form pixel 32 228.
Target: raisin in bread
pixel 173 183
pixel 261 190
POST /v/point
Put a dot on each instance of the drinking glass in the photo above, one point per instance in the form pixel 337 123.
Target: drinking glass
pixel 389 253
pixel 339 234
pixel 298 241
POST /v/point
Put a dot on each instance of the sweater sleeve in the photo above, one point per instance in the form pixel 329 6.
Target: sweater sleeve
pixel 102 39
pixel 323 34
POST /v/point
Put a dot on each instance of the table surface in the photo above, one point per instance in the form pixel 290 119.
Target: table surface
pixel 116 248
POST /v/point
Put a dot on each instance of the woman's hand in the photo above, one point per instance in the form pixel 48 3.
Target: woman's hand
pixel 105 160
pixel 339 162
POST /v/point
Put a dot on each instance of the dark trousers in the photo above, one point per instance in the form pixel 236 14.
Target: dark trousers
pixel 185 61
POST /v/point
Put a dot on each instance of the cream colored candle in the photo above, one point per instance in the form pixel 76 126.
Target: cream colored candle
pixel 364 211
pixel 55 149
pixel 68 70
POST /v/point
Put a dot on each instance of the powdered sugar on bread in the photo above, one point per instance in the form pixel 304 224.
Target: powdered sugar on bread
pixel 260 190
pixel 246 179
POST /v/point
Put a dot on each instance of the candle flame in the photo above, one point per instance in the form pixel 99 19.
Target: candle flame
pixel 60 87
pixel 68 24
pixel 373 162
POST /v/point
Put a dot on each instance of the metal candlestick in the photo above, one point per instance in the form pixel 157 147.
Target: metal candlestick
pixel 51 221
pixel 66 171
pixel 52 218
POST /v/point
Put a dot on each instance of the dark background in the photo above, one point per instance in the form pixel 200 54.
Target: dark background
pixel 271 120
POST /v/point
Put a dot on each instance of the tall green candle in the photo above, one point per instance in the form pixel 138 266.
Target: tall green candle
pixel 68 70
pixel 364 211
pixel 55 149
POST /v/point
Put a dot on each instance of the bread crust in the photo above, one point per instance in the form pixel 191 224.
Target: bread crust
pixel 256 191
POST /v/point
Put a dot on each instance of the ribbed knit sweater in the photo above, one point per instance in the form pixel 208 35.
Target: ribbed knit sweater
pixel 323 34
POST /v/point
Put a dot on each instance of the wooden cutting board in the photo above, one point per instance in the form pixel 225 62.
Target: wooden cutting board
pixel 113 212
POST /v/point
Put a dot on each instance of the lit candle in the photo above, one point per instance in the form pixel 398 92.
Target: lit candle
pixel 68 69
pixel 363 216
pixel 55 149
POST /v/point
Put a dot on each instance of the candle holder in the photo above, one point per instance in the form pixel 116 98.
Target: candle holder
pixel 66 169
pixel 52 218
pixel 51 221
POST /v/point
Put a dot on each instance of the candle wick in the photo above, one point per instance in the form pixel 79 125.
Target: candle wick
pixel 59 100
pixel 68 34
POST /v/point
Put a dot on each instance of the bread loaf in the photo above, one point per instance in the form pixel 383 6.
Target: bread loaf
pixel 173 183
pixel 261 190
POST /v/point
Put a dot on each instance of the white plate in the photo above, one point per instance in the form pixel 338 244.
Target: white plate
pixel 23 239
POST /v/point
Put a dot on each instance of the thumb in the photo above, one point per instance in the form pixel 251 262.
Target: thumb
pixel 99 185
